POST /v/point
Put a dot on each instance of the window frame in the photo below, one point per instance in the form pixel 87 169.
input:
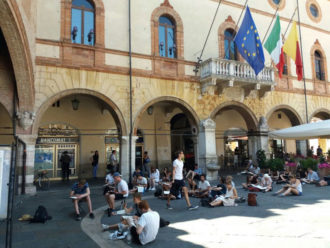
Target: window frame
pixel 166 26
pixel 230 41
pixel 318 64
pixel 83 10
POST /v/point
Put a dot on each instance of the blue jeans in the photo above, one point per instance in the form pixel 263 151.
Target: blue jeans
pixel 95 170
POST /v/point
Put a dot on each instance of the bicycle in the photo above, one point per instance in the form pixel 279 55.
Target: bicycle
pixel 42 180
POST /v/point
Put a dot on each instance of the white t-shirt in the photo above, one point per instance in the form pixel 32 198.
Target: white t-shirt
pixel 155 175
pixel 178 165
pixel 203 185
pixel 122 186
pixel 143 181
pixel 109 179
pixel 150 223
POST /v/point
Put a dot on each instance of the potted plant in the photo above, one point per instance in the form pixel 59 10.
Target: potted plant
pixel 276 164
pixel 324 167
pixel 261 159
pixel 309 163
pixel 291 165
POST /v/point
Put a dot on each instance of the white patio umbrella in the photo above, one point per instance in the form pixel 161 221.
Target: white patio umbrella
pixel 319 129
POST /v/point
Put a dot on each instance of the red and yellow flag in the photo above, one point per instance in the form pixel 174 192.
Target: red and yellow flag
pixel 292 49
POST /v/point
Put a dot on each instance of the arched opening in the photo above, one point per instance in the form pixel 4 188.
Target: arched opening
pixel 167 124
pixel 79 124
pixel 320 146
pixel 319 67
pixel 283 117
pixel 234 122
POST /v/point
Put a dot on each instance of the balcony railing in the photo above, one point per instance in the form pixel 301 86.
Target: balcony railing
pixel 219 72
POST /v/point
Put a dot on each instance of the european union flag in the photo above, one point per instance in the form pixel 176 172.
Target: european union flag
pixel 248 43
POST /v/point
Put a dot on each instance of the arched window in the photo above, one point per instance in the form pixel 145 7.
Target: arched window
pixel 82 22
pixel 230 46
pixel 167 39
pixel 319 71
pixel 285 66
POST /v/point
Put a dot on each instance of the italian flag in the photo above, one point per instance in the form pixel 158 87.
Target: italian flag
pixel 274 46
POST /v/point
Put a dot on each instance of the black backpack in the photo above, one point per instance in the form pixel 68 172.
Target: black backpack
pixel 41 215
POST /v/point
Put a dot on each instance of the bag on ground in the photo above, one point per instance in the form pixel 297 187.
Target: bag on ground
pixel 252 199
pixel 41 215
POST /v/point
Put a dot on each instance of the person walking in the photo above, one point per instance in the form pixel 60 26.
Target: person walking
pixel 145 166
pixel 65 165
pixel 95 163
pixel 178 183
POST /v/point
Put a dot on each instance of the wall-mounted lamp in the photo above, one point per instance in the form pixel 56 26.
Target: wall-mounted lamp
pixel 75 104
pixel 150 110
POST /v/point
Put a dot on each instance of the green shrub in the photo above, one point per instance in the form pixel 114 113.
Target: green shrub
pixel 309 163
pixel 261 159
pixel 276 164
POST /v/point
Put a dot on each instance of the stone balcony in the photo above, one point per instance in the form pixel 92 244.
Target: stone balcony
pixel 218 74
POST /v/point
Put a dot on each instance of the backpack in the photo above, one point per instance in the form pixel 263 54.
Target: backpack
pixel 41 215
pixel 252 199
pixel 158 192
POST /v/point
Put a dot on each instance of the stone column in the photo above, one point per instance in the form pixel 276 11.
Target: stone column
pixel 208 160
pixel 30 141
pixel 124 156
pixel 258 140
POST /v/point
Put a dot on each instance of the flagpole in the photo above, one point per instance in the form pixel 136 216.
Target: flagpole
pixel 199 59
pixel 239 19
pixel 294 12
pixel 263 40
pixel 240 16
pixel 302 60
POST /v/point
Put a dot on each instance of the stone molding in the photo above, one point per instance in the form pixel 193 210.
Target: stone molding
pixel 25 119
pixel 208 124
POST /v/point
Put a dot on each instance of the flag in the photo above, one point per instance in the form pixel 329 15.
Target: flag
pixel 248 43
pixel 274 45
pixel 292 49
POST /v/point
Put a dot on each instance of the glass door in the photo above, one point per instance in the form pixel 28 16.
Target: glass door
pixel 72 152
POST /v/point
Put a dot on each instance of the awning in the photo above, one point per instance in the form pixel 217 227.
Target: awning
pixel 319 129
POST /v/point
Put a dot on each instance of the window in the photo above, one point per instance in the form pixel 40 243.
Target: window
pixel 314 11
pixel 82 22
pixel 230 46
pixel 276 1
pixel 319 72
pixel 285 66
pixel 167 42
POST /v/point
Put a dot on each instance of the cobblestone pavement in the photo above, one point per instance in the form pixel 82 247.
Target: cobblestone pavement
pixel 285 222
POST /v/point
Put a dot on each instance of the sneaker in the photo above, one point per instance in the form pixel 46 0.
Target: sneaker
pixel 105 227
pixel 78 217
pixel 192 207
pixel 118 235
pixel 91 215
pixel 168 206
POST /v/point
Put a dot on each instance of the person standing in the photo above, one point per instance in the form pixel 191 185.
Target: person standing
pixel 65 165
pixel 319 151
pixel 95 163
pixel 114 161
pixel 178 183
pixel 145 166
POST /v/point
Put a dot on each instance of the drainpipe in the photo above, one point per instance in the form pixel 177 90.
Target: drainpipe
pixel 130 90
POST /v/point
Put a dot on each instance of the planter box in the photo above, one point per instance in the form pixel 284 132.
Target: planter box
pixel 323 172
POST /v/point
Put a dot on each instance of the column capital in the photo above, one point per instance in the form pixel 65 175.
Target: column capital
pixel 29 139
pixel 263 125
pixel 207 124
pixel 125 139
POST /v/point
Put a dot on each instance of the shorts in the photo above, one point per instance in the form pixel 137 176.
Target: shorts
pixel 177 187
pixel 119 196
pixel 299 194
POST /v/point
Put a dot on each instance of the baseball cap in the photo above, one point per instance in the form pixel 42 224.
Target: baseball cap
pixel 116 174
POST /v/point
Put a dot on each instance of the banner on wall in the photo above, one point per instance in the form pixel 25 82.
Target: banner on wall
pixel 5 153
